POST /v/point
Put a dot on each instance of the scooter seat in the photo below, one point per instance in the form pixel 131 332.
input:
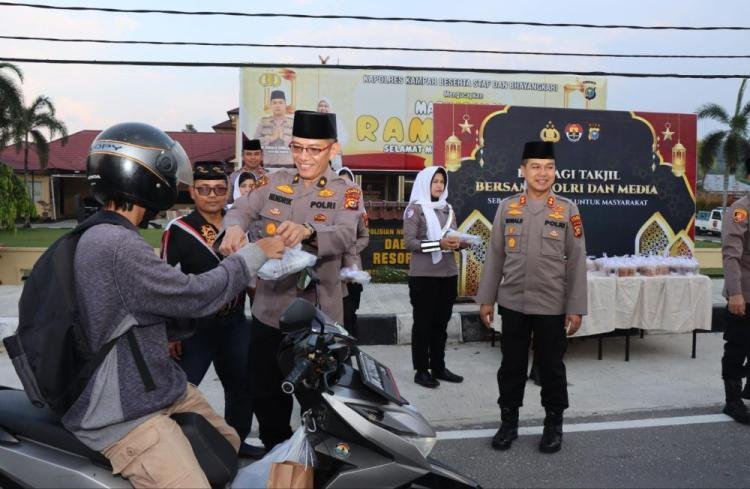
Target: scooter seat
pixel 21 418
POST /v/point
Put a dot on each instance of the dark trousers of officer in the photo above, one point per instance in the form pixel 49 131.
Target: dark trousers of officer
pixel 432 301
pixel 272 407
pixel 550 344
pixel 351 304
pixel 736 346
pixel 225 341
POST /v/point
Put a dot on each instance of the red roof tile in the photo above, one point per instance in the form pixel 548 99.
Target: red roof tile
pixel 72 156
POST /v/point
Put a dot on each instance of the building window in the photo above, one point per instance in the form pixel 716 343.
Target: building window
pixel 35 191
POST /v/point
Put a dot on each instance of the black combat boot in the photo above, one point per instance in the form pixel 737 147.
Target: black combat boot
pixel 552 435
pixel 508 429
pixel 735 408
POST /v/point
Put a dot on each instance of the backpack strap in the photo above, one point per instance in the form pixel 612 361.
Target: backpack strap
pixel 140 362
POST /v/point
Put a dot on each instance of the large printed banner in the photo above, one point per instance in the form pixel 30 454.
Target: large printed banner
pixel 632 174
pixel 385 117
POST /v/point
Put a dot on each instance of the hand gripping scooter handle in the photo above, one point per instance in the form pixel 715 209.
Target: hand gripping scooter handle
pixel 301 367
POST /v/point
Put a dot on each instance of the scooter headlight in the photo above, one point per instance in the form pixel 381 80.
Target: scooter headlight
pixel 424 444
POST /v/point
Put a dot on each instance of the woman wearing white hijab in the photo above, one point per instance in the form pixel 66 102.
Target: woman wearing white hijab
pixel 433 274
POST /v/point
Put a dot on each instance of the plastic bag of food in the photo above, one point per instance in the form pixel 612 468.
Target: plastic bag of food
pixel 292 261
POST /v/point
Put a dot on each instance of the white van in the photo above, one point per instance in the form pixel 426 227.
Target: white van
pixel 714 221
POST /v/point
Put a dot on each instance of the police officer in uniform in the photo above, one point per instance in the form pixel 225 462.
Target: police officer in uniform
pixel 275 132
pixel 735 250
pixel 252 161
pixel 536 272
pixel 318 208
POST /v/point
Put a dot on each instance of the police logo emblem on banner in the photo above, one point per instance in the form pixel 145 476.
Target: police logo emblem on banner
pixel 573 132
pixel 740 215
pixel 549 134
pixel 594 132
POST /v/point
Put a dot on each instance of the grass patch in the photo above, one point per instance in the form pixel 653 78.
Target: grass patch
pixel 44 237
pixel 713 272
pixel 707 244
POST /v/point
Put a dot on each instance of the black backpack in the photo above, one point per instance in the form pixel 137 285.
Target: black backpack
pixel 50 350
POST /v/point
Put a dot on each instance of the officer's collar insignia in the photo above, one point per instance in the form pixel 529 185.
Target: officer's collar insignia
pixel 285 189
pixel 275 211
pixel 522 200
pixel 209 234
pixel 320 218
pixel 270 229
pixel 322 182
pixel 295 179
pixel 740 215
pixel 551 201
pixel 326 193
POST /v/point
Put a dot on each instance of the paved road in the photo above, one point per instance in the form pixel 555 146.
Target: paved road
pixel 711 453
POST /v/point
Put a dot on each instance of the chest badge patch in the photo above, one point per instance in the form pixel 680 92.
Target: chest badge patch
pixel 320 218
pixel 511 229
pixel 275 211
pixel 557 215
pixel 209 234
pixel 554 233
pixel 285 189
pixel 326 193
pixel 515 212
pixel 271 229
pixel 740 215
pixel 512 243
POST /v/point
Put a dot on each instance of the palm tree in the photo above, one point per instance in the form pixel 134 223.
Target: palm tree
pixel 10 100
pixel 30 124
pixel 731 141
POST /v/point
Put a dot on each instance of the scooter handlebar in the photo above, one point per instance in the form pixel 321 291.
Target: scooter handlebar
pixel 301 368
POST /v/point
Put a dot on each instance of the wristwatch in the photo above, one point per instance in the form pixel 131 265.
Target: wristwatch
pixel 313 232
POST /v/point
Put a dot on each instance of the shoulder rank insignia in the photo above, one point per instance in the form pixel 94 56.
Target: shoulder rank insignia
pixel 351 198
pixel 577 225
pixel 326 193
pixel 285 189
pixel 261 181
pixel 740 215
pixel 550 201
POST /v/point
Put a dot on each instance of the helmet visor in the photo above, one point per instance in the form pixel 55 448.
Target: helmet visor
pixel 184 168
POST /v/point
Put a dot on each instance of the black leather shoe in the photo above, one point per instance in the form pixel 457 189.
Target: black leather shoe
pixel 552 435
pixel 737 411
pixel 423 378
pixel 508 429
pixel 251 451
pixel 447 376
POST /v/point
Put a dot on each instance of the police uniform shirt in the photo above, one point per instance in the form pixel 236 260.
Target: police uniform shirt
pixel 735 249
pixel 415 236
pixel 188 242
pixel 332 205
pixel 536 260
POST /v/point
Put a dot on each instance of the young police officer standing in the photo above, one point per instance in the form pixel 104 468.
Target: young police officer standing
pixel 536 272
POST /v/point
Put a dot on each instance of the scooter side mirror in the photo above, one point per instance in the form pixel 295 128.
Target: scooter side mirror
pixel 297 316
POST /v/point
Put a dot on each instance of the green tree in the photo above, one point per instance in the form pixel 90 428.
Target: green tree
pixel 30 125
pixel 15 201
pixel 189 127
pixel 731 141
pixel 11 100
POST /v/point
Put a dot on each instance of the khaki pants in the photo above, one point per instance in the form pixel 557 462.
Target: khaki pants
pixel 157 453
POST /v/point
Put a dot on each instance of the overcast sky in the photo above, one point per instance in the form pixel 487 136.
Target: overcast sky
pixel 94 97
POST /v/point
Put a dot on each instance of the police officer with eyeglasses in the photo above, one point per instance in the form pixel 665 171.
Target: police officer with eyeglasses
pixel 311 205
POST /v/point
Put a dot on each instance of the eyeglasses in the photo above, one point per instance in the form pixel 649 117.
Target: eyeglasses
pixel 206 190
pixel 311 150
